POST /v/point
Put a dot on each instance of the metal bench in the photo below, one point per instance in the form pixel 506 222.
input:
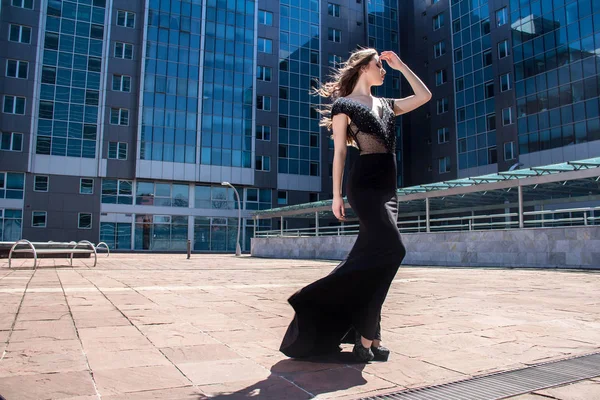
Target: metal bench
pixel 69 248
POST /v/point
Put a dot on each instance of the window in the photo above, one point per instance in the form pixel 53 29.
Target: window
pixel 126 19
pixel 28 4
pixel 442 105
pixel 438 21
pixel 265 45
pixel 434 1
pixel 335 61
pixel 124 50
pixel 490 122
pixel 507 116
pixel 503 49
pixel 20 34
pixel 492 155
pixel 11 141
pixel 86 186
pixel 265 17
pixel 485 26
pixel 14 105
pixel 458 55
pixel 263 103
pixel 335 35
pixel 440 77
pixel 12 185
pixel 333 9
pixel 501 16
pixel 439 49
pixel 489 90
pixel 263 163
pixel 372 41
pixel 444 164
pixel 282 197
pixel 505 82
pixel 117 191
pixel 40 183
pixel 314 57
pixel 263 132
pixel 119 116
pixel 17 69
pixel 487 58
pixel 509 151
pixel 460 84
pixel 393 14
pixel 264 73
pixel 38 219
pixel 117 151
pixel 394 37
pixel 456 25
pixel 84 221
pixel 121 83
pixel 395 83
pixel 443 135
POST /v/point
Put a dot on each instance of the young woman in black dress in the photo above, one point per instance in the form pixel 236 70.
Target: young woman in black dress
pixel 346 304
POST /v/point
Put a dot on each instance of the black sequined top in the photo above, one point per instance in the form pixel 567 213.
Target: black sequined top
pixel 372 133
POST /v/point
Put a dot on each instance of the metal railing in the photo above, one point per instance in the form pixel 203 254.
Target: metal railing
pixel 531 219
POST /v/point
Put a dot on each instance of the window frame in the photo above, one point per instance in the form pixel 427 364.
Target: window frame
pixel 79 215
pixel 35 177
pixel 504 13
pixel 121 83
pixel 264 41
pixel 441 45
pixel 331 9
pixel 333 33
pixel 512 151
pixel 443 74
pixel 447 166
pixel 12 3
pixel 438 21
pixel 263 97
pixel 12 141
pixel 262 76
pixel 120 116
pixel 117 150
pixel 445 135
pixel 122 56
pixel 508 84
pixel 81 183
pixel 262 163
pixel 265 20
pixel 262 133
pixel 21 28
pixel 33 215
pixel 504 44
pixel 510 116
pixel 127 13
pixel 19 62
pixel 14 108
pixel 445 105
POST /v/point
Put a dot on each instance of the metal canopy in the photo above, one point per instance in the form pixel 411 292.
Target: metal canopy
pixel 563 180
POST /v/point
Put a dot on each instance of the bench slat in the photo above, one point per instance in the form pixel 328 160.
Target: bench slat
pixel 55 251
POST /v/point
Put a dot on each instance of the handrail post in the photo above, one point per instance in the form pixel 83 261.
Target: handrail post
pixel 427 215
pixel 585 218
pixel 520 195
pixel 316 223
pixel 281 228
pixel 189 248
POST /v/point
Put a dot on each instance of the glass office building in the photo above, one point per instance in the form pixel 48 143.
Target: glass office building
pixel 120 121
pixel 515 83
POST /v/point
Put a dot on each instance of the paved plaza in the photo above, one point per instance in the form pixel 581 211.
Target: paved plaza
pixel 157 326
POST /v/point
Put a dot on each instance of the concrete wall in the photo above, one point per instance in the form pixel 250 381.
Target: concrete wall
pixel 545 247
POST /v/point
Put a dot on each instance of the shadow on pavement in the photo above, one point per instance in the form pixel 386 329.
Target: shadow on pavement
pixel 298 379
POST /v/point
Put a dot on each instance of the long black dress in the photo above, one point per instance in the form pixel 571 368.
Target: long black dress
pixel 350 298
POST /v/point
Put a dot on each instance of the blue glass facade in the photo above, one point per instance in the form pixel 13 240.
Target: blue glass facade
pixel 70 78
pixel 228 81
pixel 299 149
pixel 171 81
pixel 556 47
pixel 475 88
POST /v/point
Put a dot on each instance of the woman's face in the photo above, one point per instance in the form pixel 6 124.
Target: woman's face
pixel 374 72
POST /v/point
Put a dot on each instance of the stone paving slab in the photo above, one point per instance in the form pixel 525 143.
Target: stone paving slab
pixel 159 326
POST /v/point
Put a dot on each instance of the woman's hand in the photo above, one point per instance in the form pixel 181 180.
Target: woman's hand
pixel 392 59
pixel 338 208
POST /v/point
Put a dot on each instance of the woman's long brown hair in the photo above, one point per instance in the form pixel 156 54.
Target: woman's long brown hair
pixel 342 83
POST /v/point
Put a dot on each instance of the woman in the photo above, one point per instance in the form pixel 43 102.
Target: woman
pixel 347 303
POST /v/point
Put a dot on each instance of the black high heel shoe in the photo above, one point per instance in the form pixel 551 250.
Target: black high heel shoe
pixel 362 353
pixel 380 353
